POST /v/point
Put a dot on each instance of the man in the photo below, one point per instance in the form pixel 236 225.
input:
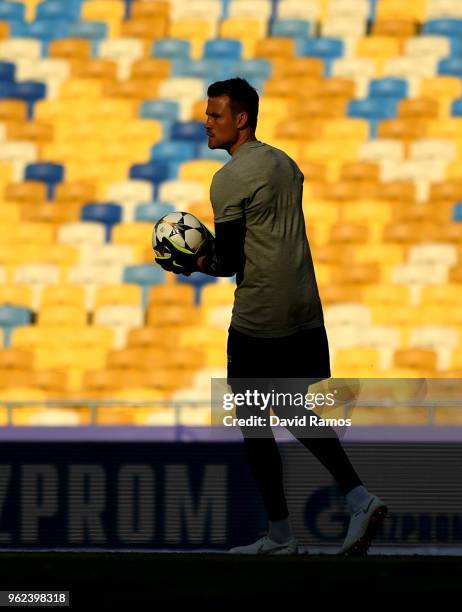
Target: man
pixel 277 328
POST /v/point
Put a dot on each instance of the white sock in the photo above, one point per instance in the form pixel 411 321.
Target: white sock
pixel 357 498
pixel 280 531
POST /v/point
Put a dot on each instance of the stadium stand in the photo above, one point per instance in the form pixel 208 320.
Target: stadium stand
pixel 101 133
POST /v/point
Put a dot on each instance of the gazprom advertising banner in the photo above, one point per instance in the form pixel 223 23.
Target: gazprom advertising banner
pixel 201 495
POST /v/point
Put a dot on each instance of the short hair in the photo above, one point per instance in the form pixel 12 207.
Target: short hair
pixel 242 96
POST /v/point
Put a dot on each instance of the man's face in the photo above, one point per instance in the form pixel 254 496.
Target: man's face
pixel 221 125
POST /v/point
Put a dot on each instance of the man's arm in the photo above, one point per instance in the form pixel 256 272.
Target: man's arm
pixel 226 257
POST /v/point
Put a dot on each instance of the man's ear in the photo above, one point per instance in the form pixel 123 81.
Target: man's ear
pixel 242 119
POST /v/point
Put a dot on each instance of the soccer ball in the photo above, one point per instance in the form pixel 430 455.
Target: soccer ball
pixel 183 229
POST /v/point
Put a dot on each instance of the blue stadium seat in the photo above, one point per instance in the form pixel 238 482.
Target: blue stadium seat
pixel 107 213
pixel 58 10
pixel 456 46
pixel 456 108
pixel 217 154
pixel 223 48
pixel 12 11
pixel 96 31
pixel 46 31
pixel 253 69
pixel 151 212
pixel 165 111
pixel 388 88
pixel 154 171
pixel 173 152
pixel 210 69
pixel 7 72
pixel 145 275
pixel 46 172
pixel 28 91
pixel 171 48
pixel 443 27
pixel 450 66
pixel 11 317
pixel 197 280
pixel 327 49
pixel 291 28
pixel 457 212
pixel 374 110
pixel 188 130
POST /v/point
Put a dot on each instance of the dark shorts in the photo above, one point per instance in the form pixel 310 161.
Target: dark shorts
pixel 302 355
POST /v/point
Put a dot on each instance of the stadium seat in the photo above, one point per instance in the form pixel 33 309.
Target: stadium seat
pixel 15 294
pixel 120 318
pixel 12 317
pixel 63 294
pixel 172 48
pixel 49 173
pixel 327 49
pixel 60 314
pixel 443 27
pixel 151 212
pixel 167 295
pixel 154 172
pixel 145 276
pixel 197 280
pixel 107 213
pixel 81 233
pixel 121 294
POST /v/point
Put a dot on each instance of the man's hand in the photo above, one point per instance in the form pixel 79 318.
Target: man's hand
pixel 182 261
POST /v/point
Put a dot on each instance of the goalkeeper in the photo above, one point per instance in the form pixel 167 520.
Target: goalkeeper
pixel 277 326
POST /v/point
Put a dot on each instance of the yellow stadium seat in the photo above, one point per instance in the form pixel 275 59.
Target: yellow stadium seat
pixel 378 47
pixel 135 234
pixel 170 295
pixel 86 358
pixel 29 192
pixel 175 315
pixel 33 131
pixel 356 274
pixel 70 48
pixel 151 9
pixel 4 30
pixel 399 28
pixel 199 170
pixel 248 31
pixel 197 31
pixel 217 294
pixel 306 67
pixel 95 68
pixel 415 358
pixel 320 108
pixel 347 128
pixel 28 234
pixel 330 149
pixel 395 9
pixel 9 215
pixel 151 68
pixel 361 357
pixel 50 214
pixel 275 47
pixel 418 107
pixel 388 254
pixel 63 295
pixel 403 129
pixel 50 381
pixel 60 314
pixel 441 87
pixel 151 337
pixel 386 294
pixel 19 295
pixel 146 28
pixel 201 210
pixel 14 358
pixel 405 315
pixel 447 294
pixel 84 89
pixel 78 192
pixel 117 294
pixel 110 12
pixel 299 129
